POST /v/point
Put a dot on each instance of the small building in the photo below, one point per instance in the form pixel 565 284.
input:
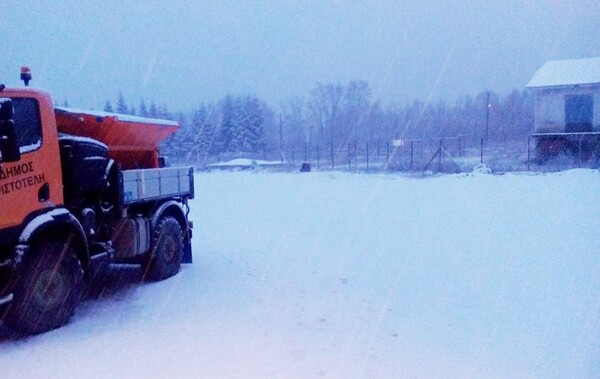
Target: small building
pixel 567 107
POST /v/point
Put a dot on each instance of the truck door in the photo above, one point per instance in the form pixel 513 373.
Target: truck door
pixel 34 181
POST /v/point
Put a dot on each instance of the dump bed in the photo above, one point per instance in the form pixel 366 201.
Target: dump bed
pixel 155 184
pixel 132 141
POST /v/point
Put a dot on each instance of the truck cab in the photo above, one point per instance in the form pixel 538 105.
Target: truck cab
pixel 32 181
pixel 80 190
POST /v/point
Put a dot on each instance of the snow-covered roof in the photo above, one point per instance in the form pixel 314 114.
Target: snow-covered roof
pixel 119 116
pixel 567 72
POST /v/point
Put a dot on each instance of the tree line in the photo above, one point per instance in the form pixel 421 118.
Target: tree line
pixel 144 110
pixel 336 116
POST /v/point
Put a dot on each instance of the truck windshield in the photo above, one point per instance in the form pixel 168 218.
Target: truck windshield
pixel 28 124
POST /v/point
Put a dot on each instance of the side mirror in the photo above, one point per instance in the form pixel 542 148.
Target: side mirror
pixel 9 147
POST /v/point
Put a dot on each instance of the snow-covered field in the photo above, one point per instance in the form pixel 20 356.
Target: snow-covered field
pixel 341 275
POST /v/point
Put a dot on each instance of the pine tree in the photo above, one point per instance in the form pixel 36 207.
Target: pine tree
pixel 163 112
pixel 121 104
pixel 199 121
pixel 227 129
pixel 108 107
pixel 153 110
pixel 198 134
pixel 255 125
pixel 143 109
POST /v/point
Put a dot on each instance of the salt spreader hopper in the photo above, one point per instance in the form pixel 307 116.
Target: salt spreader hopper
pixel 132 141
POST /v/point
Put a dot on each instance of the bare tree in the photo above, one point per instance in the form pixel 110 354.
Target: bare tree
pixel 325 109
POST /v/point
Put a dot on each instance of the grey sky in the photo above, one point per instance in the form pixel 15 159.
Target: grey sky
pixel 183 52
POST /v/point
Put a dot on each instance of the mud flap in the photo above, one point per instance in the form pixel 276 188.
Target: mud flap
pixel 187 248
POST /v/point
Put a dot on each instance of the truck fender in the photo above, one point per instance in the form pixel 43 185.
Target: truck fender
pixel 56 221
pixel 174 209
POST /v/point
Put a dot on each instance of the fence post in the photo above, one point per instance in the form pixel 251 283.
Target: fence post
pixel 280 138
pixel 305 152
pixel 387 149
pixel 481 159
pixel 318 157
pixel 440 156
pixel 528 153
pixel 579 160
pixel 367 156
pixel 349 154
pixel 355 156
pixel 412 151
pixel 332 158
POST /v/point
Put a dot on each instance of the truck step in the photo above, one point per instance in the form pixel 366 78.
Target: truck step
pixel 98 262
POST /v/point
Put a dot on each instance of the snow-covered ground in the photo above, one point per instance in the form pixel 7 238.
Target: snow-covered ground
pixel 341 275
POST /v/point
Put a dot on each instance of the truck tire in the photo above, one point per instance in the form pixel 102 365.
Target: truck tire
pixel 164 259
pixel 47 290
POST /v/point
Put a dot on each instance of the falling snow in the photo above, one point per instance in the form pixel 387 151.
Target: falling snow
pixel 341 275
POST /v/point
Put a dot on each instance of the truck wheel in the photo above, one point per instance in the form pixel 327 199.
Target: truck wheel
pixel 47 290
pixel 164 259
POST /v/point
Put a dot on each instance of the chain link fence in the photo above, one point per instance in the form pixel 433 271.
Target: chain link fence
pixel 431 155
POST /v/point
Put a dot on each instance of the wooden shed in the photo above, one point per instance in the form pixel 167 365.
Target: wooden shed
pixel 567 107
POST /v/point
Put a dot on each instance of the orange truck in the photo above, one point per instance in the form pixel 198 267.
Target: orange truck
pixel 80 190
